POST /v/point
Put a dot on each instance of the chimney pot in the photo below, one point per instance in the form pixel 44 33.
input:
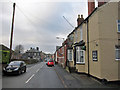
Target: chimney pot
pixel 80 19
pixel 81 16
pixel 78 16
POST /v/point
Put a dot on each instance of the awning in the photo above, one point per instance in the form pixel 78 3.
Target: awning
pixel 81 43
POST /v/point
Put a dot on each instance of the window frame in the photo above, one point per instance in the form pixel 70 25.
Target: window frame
pixel 68 56
pixel 96 55
pixel 118 24
pixel 79 55
pixel 118 49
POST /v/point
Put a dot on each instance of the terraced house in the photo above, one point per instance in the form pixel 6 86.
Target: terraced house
pixel 96 42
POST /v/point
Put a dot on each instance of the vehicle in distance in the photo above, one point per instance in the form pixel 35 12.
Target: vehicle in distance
pixel 15 67
pixel 50 63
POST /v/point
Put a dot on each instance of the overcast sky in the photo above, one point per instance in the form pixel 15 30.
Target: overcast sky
pixel 37 24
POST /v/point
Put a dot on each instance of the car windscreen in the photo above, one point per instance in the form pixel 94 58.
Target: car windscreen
pixel 51 61
pixel 15 64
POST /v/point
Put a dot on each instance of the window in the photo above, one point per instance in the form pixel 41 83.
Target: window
pixel 70 55
pixel 38 54
pixel 34 54
pixel 94 55
pixel 80 55
pixel 81 36
pixel 75 36
pixel 117 53
pixel 118 25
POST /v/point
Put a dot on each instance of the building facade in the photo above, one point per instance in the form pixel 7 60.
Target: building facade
pixel 99 54
pixel 94 45
pixel 33 53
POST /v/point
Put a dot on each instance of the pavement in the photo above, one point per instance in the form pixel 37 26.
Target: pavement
pixel 75 80
pixel 41 76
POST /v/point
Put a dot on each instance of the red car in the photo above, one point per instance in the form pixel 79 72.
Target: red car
pixel 50 63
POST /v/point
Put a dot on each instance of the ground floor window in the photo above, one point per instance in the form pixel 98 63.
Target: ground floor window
pixel 117 53
pixel 80 55
pixel 95 55
pixel 70 54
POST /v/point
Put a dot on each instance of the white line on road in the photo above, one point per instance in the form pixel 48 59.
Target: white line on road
pixel 33 74
pixel 30 78
pixel 37 70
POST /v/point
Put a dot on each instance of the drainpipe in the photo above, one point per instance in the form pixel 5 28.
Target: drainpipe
pixel 88 47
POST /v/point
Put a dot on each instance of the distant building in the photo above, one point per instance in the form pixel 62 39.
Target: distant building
pixel 33 54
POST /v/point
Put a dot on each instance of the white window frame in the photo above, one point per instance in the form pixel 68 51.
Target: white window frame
pixel 78 51
pixel 117 49
pixel 68 56
pixel 96 56
pixel 118 24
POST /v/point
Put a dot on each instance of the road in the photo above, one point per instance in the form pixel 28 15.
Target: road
pixel 37 76
pixel 41 76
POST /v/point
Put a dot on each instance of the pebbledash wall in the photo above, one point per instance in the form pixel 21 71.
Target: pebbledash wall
pixel 103 39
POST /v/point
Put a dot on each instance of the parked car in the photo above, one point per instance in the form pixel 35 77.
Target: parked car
pixel 15 67
pixel 50 63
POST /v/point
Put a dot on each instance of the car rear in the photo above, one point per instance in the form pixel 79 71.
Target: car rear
pixel 50 63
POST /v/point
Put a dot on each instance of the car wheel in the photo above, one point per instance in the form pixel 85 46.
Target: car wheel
pixel 25 70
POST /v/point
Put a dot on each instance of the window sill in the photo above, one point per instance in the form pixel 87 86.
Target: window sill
pixel 117 59
pixel 70 60
pixel 80 63
pixel 95 60
pixel 118 32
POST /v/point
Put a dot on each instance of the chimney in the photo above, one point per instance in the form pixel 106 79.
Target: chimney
pixel 80 20
pixel 100 3
pixel 37 48
pixel 91 6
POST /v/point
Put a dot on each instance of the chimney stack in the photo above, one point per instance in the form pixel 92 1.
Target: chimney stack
pixel 37 48
pixel 100 3
pixel 91 6
pixel 80 20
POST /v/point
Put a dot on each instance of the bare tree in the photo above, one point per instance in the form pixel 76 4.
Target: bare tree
pixel 19 49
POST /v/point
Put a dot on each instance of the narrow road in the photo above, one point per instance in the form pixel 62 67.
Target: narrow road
pixel 37 76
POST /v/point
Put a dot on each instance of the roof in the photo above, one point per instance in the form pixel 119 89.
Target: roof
pixel 32 50
pixel 3 47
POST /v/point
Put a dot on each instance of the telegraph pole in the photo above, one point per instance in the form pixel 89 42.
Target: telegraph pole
pixel 11 38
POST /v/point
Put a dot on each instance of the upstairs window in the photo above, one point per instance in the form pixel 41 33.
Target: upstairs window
pixel 118 25
pixel 81 33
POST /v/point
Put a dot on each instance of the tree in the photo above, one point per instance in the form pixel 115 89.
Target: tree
pixel 19 49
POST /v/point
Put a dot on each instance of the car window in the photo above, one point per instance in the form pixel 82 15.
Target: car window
pixel 15 63
pixel 21 64
pixel 51 61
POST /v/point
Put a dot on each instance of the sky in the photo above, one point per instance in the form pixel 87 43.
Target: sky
pixel 38 23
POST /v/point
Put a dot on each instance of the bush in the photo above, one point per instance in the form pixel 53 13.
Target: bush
pixel 30 61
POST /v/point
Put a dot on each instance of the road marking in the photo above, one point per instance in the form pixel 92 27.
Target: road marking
pixel 61 79
pixel 37 70
pixel 30 78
